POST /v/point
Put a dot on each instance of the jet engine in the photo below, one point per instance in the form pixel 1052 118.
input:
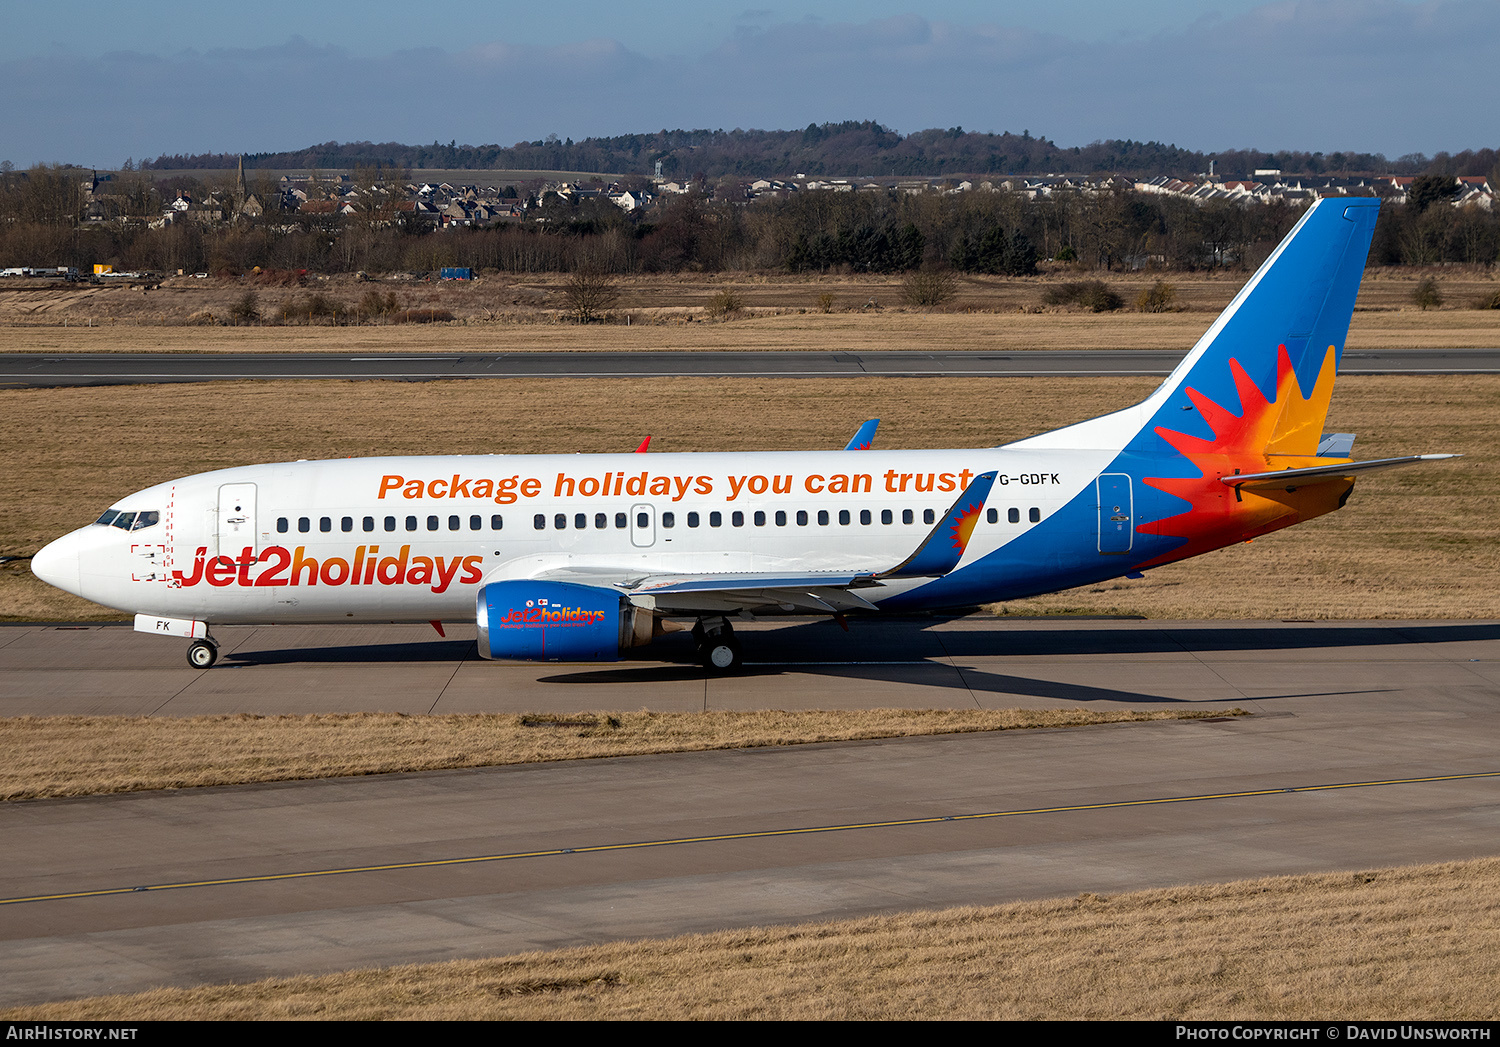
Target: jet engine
pixel 543 621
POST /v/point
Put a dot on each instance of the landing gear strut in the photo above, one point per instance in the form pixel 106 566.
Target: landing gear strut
pixel 718 650
pixel 202 653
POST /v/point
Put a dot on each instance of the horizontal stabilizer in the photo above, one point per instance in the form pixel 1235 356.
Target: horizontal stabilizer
pixel 1313 473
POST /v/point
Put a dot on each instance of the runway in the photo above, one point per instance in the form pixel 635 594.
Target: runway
pixel 1348 761
pixel 42 370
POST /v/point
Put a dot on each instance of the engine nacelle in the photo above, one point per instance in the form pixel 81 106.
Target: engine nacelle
pixel 555 622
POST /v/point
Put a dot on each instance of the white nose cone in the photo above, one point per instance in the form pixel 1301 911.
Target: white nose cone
pixel 57 564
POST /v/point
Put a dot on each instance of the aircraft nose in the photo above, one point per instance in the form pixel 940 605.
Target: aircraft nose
pixel 57 563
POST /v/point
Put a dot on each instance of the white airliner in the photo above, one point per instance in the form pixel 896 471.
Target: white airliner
pixel 574 557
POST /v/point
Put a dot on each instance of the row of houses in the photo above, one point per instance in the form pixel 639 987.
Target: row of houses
pixel 1468 189
pixel 443 205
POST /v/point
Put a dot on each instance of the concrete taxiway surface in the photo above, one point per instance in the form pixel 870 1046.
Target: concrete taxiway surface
pixel 43 370
pixel 1371 743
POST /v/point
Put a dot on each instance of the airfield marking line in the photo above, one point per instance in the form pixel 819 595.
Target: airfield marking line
pixel 755 835
pixel 1122 372
pixel 441 375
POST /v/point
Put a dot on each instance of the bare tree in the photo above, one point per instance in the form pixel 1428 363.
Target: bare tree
pixel 589 292
pixel 929 287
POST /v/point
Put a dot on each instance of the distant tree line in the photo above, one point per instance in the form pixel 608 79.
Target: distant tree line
pixel 852 147
pixel 41 223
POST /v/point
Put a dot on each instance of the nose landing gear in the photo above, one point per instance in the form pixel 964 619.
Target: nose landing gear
pixel 202 653
pixel 718 650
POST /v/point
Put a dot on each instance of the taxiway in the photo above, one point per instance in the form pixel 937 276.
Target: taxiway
pixel 1370 743
pixel 40 370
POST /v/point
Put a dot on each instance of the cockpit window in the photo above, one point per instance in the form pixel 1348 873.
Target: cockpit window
pixel 129 521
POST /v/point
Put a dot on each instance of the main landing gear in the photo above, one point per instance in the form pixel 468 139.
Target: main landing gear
pixel 718 650
pixel 202 653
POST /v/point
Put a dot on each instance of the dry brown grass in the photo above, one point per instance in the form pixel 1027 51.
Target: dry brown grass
pixel 1419 542
pixel 851 332
pixel 82 755
pixel 777 312
pixel 1398 944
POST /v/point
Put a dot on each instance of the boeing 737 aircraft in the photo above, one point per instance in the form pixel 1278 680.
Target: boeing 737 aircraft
pixel 576 557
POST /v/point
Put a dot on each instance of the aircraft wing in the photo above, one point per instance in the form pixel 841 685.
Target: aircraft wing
pixel 1312 474
pixel 810 592
pixel 816 592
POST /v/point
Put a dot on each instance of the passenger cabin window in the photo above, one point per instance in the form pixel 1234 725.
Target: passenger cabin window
pixel 1013 515
pixel 928 516
pixel 801 517
pixel 621 521
pixel 453 523
pixel 560 521
pixel 476 523
pixel 760 518
pixel 692 519
pixel 539 522
pixel 1036 515
pixel 864 517
pixel 844 517
pixel 716 519
pixel 432 523
pixel 581 521
pixel 886 517
pixel 304 524
pixel 737 518
pixel 993 516
pixel 669 519
pixel 643 519
pixel 281 525
pixel 780 518
pixel 325 524
pixel 369 523
pixel 497 522
pixel 822 517
pixel 908 517
pixel 346 523
pixel 601 521
pixel 390 523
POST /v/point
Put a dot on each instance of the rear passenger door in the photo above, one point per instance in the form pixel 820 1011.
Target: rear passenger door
pixel 1116 516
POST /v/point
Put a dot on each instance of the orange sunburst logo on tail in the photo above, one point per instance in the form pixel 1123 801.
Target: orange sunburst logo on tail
pixel 963 527
pixel 1266 435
